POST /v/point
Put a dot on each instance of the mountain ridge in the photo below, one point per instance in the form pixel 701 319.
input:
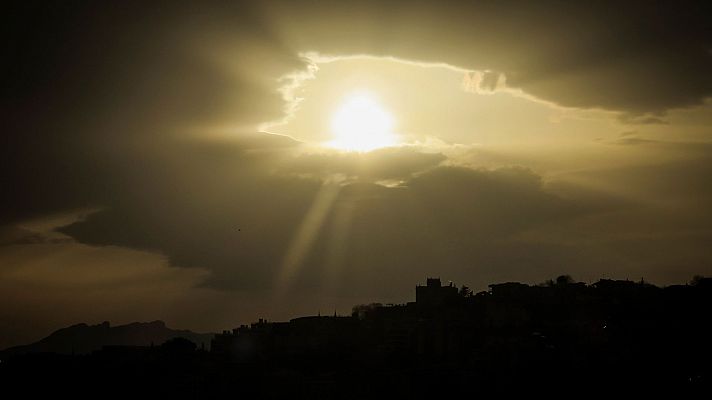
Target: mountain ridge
pixel 82 338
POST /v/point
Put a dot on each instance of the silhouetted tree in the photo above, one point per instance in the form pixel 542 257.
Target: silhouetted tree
pixel 701 281
pixel 546 283
pixel 465 291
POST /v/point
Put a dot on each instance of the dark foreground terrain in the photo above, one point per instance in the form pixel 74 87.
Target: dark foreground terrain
pixel 557 339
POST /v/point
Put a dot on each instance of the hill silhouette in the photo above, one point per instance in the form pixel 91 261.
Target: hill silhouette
pixel 560 336
pixel 84 339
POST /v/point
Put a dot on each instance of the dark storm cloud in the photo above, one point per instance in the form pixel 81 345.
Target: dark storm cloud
pixel 204 204
pixel 239 229
pixel 635 56
pixel 92 88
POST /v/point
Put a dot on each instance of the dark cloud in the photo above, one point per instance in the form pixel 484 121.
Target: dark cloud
pixel 12 235
pixel 634 57
pixel 241 229
pixel 677 179
pixel 91 85
pixel 91 88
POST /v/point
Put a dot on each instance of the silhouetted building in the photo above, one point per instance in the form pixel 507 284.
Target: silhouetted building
pixel 302 335
pixel 433 294
pixel 559 334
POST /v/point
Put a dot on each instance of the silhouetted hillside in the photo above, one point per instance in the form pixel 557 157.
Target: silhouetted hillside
pixel 83 338
pixel 560 335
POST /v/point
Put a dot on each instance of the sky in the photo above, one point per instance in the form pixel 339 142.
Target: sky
pixel 212 163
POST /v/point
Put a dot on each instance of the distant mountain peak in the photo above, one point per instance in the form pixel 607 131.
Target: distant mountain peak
pixel 83 338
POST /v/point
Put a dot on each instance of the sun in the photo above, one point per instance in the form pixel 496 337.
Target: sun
pixel 361 124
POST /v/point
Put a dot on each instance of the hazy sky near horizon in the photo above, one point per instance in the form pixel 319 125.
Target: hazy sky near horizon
pixel 177 160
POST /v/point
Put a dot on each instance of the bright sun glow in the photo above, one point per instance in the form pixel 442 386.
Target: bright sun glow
pixel 361 124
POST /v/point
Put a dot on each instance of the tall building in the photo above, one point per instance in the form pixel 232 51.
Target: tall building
pixel 434 294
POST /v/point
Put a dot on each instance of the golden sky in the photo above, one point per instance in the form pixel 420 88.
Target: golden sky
pixel 214 163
